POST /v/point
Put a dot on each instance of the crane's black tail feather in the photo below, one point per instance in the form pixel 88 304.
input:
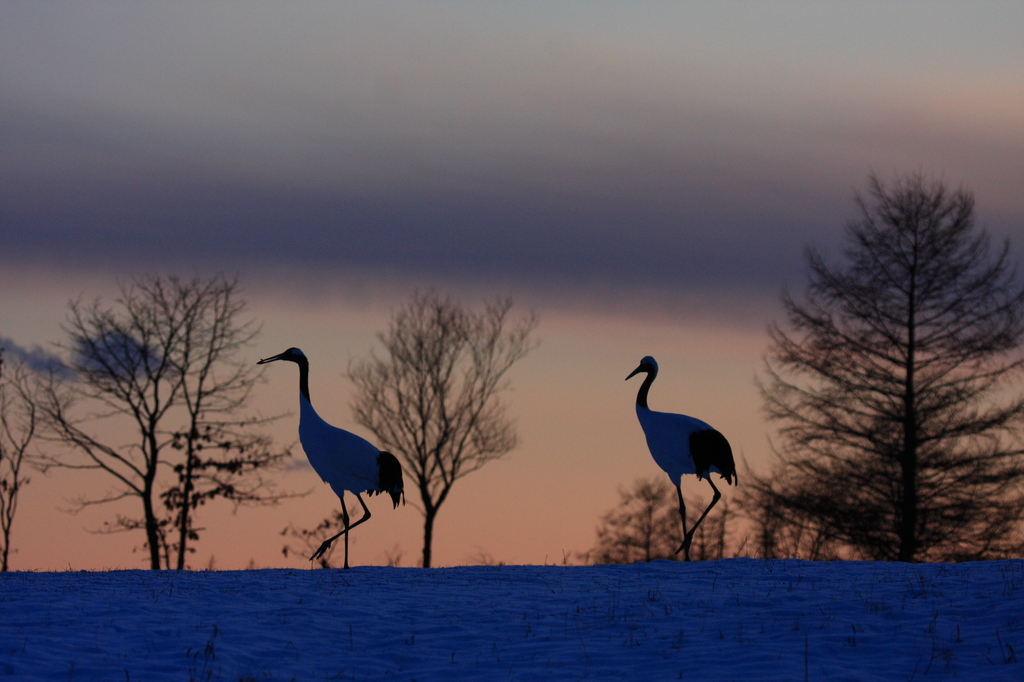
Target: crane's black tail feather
pixel 389 477
pixel 710 448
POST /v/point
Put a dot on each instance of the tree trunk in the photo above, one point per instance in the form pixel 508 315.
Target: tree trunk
pixel 152 523
pixel 7 541
pixel 428 534
pixel 152 533
pixel 908 510
pixel 908 459
pixel 186 499
pixel 8 514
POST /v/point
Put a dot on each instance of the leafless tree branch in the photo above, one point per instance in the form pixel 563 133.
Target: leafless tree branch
pixel 898 436
pixel 433 397
pixel 162 363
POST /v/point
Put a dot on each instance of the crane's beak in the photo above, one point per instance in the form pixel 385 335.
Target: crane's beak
pixel 635 372
pixel 271 359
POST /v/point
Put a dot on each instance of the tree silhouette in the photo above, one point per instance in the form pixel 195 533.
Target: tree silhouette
pixel 162 364
pixel 645 526
pixel 433 398
pixel 898 431
pixel 19 421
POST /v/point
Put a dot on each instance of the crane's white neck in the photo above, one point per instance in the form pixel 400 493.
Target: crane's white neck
pixel 303 364
pixel 641 396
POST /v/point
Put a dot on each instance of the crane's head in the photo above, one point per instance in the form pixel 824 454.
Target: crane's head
pixel 292 354
pixel 648 364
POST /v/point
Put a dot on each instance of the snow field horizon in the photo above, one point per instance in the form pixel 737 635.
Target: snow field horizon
pixel 732 619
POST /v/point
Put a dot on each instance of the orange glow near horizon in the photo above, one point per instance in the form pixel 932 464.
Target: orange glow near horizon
pixel 579 441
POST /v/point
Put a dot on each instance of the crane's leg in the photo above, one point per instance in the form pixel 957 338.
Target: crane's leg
pixel 326 544
pixel 345 529
pixel 344 519
pixel 688 537
pixel 682 515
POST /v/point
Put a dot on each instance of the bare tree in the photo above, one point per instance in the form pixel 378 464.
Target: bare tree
pixel 433 399
pixel 781 530
pixel 223 456
pixel 898 434
pixel 645 526
pixel 163 365
pixel 18 423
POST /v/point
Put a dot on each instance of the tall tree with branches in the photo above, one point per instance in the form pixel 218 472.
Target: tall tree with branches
pixel 19 421
pixel 434 397
pixel 898 425
pixel 163 364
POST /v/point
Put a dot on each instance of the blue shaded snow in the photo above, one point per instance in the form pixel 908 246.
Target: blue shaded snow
pixel 735 619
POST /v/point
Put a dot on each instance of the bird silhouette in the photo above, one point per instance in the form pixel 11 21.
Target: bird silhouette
pixel 682 445
pixel 344 460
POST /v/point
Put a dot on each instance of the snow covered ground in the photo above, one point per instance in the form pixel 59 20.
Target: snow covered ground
pixel 737 619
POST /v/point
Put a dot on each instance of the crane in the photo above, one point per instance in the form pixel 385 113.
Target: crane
pixel 682 445
pixel 342 459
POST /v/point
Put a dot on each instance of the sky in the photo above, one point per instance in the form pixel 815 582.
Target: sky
pixel 645 176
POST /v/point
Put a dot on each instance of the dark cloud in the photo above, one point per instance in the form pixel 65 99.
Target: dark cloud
pixel 673 158
pixel 37 359
pixel 506 228
pixel 741 241
pixel 595 237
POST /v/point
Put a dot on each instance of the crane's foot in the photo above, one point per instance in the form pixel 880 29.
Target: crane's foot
pixel 685 547
pixel 320 552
